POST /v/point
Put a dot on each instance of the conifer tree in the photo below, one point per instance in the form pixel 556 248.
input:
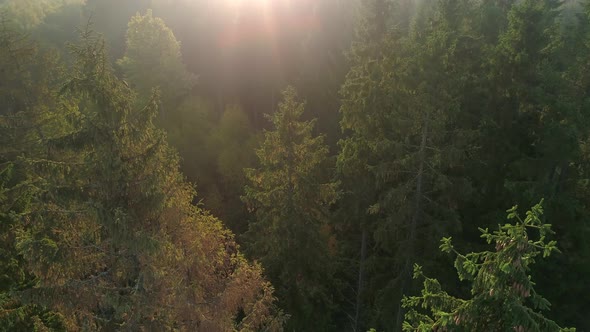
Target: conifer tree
pixel 566 129
pixel 361 97
pixel 112 237
pixel 29 116
pixel 523 93
pixel 290 195
pixel 503 293
pixel 531 125
pixel 406 136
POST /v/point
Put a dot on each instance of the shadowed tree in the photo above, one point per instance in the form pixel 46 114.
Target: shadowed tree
pixel 290 194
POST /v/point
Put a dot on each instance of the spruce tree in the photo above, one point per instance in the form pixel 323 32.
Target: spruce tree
pixel 531 124
pixel 112 236
pixel 361 97
pixel 30 115
pixel 503 296
pixel 407 138
pixel 290 195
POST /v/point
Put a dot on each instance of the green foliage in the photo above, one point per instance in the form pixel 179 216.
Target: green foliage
pixel 152 59
pixel 451 110
pixel 111 18
pixel 290 196
pixel 28 98
pixel 215 151
pixel 531 122
pixel 407 142
pixel 503 294
pixel 109 238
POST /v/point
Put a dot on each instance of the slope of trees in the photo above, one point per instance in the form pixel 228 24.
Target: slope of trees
pixel 110 235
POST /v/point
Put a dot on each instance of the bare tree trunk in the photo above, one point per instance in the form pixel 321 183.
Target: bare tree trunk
pixel 359 288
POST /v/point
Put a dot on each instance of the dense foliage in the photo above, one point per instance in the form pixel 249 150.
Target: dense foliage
pixel 276 164
pixel 104 223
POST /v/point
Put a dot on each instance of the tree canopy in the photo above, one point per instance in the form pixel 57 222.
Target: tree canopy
pixel 269 165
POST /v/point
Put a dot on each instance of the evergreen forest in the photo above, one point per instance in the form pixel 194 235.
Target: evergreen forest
pixel 295 165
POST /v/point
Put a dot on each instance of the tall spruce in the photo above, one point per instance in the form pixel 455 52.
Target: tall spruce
pixel 290 194
pixel 402 110
pixel 361 97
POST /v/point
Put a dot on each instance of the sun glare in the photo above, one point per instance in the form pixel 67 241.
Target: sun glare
pixel 240 3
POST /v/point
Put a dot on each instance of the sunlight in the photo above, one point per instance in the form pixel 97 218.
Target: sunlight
pixel 241 3
pixel 253 22
pixel 285 165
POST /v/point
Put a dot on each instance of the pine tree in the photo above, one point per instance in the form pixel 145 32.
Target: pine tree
pixel 521 95
pixel 566 129
pixel 290 195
